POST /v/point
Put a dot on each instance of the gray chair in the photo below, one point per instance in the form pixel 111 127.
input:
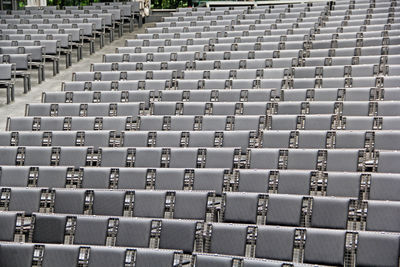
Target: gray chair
pixel 228 239
pixel 91 230
pixel 106 256
pixel 275 243
pixel 325 247
pixel 7 80
pixel 8 222
pixel 329 212
pixel 284 209
pixel 178 234
pixel 44 222
pixel 18 255
pixel 203 260
pixel 377 249
pixel 60 255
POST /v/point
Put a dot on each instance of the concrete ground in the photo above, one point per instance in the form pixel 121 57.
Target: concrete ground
pixel 53 83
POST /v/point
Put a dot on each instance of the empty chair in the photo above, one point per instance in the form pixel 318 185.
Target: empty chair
pixel 284 209
pixel 203 260
pixel 377 249
pixel 108 202
pixel 384 186
pixel 240 207
pixel 149 204
pixel 381 216
pixel 107 256
pixel 275 243
pixel 69 201
pixel 329 212
pixel 90 230
pixel 57 223
pixel 8 222
pixel 10 250
pixel 53 253
pixel 325 247
pixel 172 229
pixel 228 239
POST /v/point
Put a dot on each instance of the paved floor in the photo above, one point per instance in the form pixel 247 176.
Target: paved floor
pixel 53 83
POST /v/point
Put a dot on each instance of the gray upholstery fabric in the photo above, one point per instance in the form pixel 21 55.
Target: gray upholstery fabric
pixel 16 255
pixel 14 176
pixel 350 139
pixel 183 157
pixel 275 243
pixel 329 212
pixel 241 207
pixel 264 158
pixel 113 157
pixel 148 157
pixel 206 179
pixel 377 249
pixel 388 161
pixel 312 139
pixel 201 139
pixel 52 176
pixel 387 140
pixel 37 156
pixel 211 260
pixel 178 234
pixel 253 181
pixel 149 204
pixel 25 199
pixel 168 139
pixel 133 232
pixel 96 178
pixel 260 263
pixel 8 221
pixel 228 239
pixel 63 138
pixel 343 184
pixel 382 216
pixel 108 202
pixel 69 201
pixel 30 138
pixel 385 186
pixel 132 178
pixel 219 158
pixel 284 209
pixel 169 179
pixel 342 160
pixel 91 230
pixel 151 257
pixel 49 228
pixel 302 159
pixel 73 156
pixel 294 182
pixel 325 247
pixel 60 255
pixel 190 205
pixel 276 139
pixel 106 256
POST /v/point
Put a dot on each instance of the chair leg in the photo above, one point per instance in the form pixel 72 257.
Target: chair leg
pixel 120 30
pixel 111 35
pixel 8 88
pixel 39 75
pixel 131 24
pixel 29 82
pixel 43 73
pixel 78 53
pixel 12 90
pixel 26 85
